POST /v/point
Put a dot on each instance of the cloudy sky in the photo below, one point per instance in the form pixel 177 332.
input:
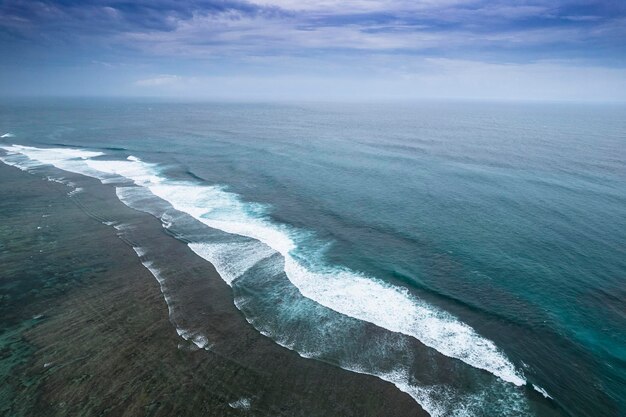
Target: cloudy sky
pixel 320 50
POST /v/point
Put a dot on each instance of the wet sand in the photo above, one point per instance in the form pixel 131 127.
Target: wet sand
pixel 101 342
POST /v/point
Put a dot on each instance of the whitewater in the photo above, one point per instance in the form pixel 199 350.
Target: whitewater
pixel 345 291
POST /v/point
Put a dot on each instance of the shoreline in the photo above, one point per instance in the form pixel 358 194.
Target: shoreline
pixel 108 338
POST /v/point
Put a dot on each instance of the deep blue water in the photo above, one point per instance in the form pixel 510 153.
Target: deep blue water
pixel 510 217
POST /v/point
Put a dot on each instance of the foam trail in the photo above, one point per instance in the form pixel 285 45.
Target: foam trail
pixel 67 159
pixel 52 156
pixel 340 289
pixel 220 257
pixel 422 395
pixel 542 391
pixel 197 339
pixel 7 135
pixel 141 252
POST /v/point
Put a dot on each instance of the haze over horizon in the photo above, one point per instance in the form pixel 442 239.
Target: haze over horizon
pixel 315 50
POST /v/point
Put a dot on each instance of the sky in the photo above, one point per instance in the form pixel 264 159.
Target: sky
pixel 570 50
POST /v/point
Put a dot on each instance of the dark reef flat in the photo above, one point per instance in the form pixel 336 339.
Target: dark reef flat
pixel 85 328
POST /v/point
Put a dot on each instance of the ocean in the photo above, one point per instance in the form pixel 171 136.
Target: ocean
pixel 471 254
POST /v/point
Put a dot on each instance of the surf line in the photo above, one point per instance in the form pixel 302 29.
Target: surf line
pixel 340 289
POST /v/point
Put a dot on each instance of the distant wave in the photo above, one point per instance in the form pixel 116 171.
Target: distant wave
pixel 7 135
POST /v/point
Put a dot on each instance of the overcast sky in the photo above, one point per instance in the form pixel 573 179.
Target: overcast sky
pixel 320 50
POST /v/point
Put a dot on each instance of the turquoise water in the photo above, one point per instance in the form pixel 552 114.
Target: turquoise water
pixel 494 234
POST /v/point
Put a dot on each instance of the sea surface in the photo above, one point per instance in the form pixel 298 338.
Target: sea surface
pixel 471 254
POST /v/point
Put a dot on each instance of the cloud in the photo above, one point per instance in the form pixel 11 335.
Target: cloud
pixel 159 80
pixel 359 6
pixel 306 39
pixel 231 33
pixel 375 24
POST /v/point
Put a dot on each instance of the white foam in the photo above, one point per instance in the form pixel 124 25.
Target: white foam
pixel 19 161
pixel 57 180
pixel 340 289
pixel 229 268
pixel 242 403
pixel 75 191
pixel 185 334
pixel 141 252
pixel 166 219
pixel 422 395
pixel 200 340
pixel 141 173
pixel 7 135
pixel 68 159
pixel 121 226
pixel 52 156
pixel 541 391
